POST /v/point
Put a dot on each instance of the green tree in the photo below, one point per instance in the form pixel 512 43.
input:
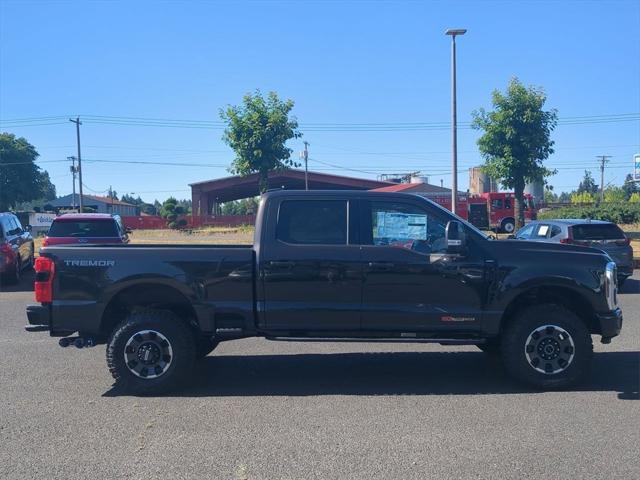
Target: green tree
pixel 168 212
pixel 257 131
pixel 588 184
pixel 564 197
pixel 112 194
pixel 246 206
pixel 21 180
pixel 615 195
pixel 549 195
pixel 516 139
pixel 630 187
pixel 635 197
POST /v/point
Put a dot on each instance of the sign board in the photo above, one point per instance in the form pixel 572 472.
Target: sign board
pixel 397 226
pixel 636 166
pixel 41 219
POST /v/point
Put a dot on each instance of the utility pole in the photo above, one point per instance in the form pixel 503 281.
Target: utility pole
pixel 78 123
pixel 453 32
pixel 305 157
pixel 74 170
pixel 604 159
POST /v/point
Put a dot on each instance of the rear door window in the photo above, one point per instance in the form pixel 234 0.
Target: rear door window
pixel 595 231
pixel 542 231
pixel 84 229
pixel 555 231
pixel 313 222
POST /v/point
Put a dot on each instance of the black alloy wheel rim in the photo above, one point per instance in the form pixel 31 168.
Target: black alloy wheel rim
pixel 148 354
pixel 549 349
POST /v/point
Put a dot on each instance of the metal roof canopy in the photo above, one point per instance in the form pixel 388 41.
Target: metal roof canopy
pixel 237 187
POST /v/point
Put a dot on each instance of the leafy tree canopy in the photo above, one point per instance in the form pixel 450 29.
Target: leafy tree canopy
pixel 516 139
pixel 583 197
pixel 588 184
pixel 246 206
pixel 615 195
pixel 630 187
pixel 21 180
pixel 257 131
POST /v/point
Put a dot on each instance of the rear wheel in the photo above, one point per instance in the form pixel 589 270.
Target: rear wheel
pixel 547 346
pixel 151 352
pixel 508 225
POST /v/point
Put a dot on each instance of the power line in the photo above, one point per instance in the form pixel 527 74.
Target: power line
pixel 309 126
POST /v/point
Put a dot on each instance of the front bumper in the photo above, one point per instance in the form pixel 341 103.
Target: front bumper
pixel 39 318
pixel 610 323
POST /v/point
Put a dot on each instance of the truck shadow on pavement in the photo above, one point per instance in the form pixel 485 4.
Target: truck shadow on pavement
pixel 24 285
pixel 631 285
pixel 388 373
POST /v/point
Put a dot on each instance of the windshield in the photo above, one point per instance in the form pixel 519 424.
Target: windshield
pixel 84 229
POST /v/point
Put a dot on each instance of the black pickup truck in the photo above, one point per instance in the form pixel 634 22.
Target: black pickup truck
pixel 332 266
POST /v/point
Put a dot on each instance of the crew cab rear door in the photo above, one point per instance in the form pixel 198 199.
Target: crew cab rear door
pixel 411 284
pixel 309 265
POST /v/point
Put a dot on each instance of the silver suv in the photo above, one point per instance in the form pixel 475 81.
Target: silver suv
pixel 606 236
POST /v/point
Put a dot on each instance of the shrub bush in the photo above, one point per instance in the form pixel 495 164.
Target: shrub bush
pixel 611 212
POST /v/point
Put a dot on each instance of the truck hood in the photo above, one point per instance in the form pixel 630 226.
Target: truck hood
pixel 544 249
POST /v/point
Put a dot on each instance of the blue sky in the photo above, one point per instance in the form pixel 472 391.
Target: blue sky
pixel 348 62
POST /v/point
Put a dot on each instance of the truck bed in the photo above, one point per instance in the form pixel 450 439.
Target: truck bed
pixel 216 279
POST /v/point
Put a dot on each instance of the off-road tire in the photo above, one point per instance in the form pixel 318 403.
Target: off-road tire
pixel 518 332
pixel 181 341
pixel 205 345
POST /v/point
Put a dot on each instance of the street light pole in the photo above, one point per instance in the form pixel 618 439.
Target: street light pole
pixel 453 32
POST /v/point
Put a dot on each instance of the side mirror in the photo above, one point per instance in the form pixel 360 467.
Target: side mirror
pixel 455 237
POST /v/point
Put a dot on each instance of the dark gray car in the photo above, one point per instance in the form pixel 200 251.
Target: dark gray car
pixel 606 236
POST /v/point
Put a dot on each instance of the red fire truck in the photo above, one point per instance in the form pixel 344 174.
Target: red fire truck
pixel 493 210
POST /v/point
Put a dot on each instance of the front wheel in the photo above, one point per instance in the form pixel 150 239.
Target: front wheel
pixel 547 346
pixel 151 352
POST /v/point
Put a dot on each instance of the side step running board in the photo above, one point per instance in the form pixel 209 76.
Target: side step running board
pixel 443 341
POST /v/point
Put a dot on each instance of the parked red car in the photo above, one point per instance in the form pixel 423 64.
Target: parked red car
pixel 16 248
pixel 94 228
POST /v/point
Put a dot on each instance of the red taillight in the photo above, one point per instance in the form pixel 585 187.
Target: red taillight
pixel 6 248
pixel 43 286
pixel 45 242
pixel 566 240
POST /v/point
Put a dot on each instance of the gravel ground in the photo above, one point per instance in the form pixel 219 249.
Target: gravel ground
pixel 273 410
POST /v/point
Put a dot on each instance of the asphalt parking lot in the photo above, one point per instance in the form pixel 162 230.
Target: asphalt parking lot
pixel 272 410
